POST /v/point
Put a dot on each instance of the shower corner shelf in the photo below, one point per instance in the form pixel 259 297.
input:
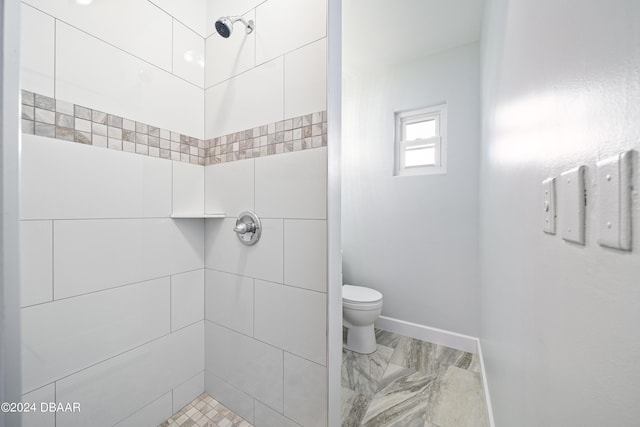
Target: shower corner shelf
pixel 194 215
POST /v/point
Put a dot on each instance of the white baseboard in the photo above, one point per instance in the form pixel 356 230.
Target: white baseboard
pixel 485 385
pixel 425 333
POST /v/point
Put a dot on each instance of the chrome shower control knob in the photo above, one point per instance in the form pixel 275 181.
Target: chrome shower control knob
pixel 248 228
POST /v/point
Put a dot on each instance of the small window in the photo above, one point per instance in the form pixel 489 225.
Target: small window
pixel 420 141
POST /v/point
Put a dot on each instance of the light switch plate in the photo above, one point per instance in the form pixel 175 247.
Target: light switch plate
pixel 614 201
pixel 572 205
pixel 549 206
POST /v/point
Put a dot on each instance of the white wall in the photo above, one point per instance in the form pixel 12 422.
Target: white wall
pixel 275 73
pixel 266 305
pixel 559 321
pixel 414 238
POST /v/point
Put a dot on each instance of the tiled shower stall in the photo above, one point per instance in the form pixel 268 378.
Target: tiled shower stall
pixel 137 121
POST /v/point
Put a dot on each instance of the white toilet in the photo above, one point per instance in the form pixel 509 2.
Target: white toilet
pixel 360 308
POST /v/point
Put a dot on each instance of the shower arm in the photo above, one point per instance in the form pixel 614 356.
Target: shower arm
pixel 248 24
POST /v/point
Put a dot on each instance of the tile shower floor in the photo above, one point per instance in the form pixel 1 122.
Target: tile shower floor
pixel 205 411
pixel 411 383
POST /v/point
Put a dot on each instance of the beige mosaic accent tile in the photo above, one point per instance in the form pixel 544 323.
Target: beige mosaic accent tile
pixel 205 411
pixel 293 134
pixel 54 118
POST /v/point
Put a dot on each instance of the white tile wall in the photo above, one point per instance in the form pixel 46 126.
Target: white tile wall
pixel 37 36
pixel 91 255
pixel 305 85
pixel 151 415
pixel 36 262
pixel 252 366
pixel 292 185
pixel 305 391
pixel 135 26
pixel 292 319
pixel 187 391
pixel 284 25
pixel 92 73
pixel 229 187
pixel 107 391
pixel 251 99
pixel 62 180
pixel 38 418
pixel 267 417
pixel 187 299
pixel 229 301
pixel 188 54
pixel 188 188
pixel 305 254
pixel 191 13
pixel 230 396
pixel 231 56
pixel 224 252
pixel 63 337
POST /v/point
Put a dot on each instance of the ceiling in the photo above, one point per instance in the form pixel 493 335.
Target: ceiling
pixel 384 32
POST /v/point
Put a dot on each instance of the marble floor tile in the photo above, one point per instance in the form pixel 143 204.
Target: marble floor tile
pixel 412 383
pixel 387 339
pixel 426 356
pixel 474 366
pixel 354 405
pixel 363 372
pixel 458 400
pixel 403 402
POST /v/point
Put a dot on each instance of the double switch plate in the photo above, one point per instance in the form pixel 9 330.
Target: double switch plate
pixel 613 199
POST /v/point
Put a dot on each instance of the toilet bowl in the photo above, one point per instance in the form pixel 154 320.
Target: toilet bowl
pixel 360 308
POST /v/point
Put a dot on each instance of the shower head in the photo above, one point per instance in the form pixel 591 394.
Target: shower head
pixel 224 25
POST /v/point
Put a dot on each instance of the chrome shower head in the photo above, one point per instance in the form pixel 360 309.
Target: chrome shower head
pixel 224 25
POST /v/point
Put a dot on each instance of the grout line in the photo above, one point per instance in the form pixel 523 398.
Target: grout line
pixel 264 342
pixel 179 21
pixel 111 288
pixel 122 50
pixel 267 281
pixel 117 355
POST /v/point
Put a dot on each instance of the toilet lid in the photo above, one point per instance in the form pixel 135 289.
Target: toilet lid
pixel 360 294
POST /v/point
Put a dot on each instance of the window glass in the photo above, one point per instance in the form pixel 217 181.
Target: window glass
pixel 421 155
pixel 420 130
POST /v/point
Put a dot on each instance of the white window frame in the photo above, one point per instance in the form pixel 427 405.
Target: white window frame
pixel 439 142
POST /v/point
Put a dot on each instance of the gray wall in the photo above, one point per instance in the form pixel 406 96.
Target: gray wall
pixel 559 321
pixel 415 239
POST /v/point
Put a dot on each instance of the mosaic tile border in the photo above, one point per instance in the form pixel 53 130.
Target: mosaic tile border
pixel 294 134
pixel 54 118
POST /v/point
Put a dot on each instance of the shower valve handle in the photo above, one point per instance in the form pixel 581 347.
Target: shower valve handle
pixel 243 228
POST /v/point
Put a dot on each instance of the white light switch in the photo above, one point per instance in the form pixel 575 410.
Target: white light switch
pixel 549 205
pixel 572 205
pixel 614 201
